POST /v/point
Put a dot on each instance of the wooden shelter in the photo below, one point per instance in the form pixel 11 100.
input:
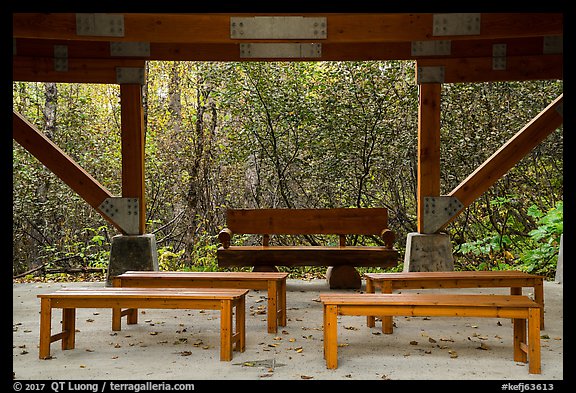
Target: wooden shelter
pixel 446 48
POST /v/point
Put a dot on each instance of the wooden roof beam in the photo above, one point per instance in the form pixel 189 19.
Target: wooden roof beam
pixel 329 51
pixel 215 28
pixel 42 69
pixel 517 68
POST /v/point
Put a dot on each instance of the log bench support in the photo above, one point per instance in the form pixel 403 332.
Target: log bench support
pixel 273 283
pixel 515 280
pixel 524 312
pixel 230 302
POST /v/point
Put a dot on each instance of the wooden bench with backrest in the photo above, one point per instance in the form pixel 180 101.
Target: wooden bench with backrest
pixel 341 259
pixel 515 280
pixel 524 312
pixel 230 302
pixel 273 282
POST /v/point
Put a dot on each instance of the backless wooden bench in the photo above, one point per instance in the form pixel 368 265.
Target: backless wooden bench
pixel 341 257
pixel 520 308
pixel 230 302
pixel 273 282
pixel 515 280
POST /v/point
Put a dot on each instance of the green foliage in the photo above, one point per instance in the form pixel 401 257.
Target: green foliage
pixel 283 134
pixel 536 252
pixel 543 255
pixel 169 260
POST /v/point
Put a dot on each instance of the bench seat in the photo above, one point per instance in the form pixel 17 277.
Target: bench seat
pixel 524 312
pixel 230 302
pixel 515 280
pixel 273 282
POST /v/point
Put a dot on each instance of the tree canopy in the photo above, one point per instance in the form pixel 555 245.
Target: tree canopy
pixel 292 135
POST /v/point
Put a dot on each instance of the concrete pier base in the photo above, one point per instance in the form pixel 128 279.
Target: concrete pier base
pixel 134 252
pixel 428 253
pixel 559 278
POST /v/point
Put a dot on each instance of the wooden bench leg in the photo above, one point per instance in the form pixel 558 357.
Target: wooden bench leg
pixel 68 328
pixel 45 328
pixel 370 319
pixel 226 330
pixel 519 340
pixel 282 302
pixel 240 345
pixel 534 366
pixel 539 298
pixel 387 321
pixel 331 336
pixel 132 316
pixel 272 306
pixel 116 319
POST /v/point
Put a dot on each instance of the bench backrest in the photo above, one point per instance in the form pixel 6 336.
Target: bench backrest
pixel 339 221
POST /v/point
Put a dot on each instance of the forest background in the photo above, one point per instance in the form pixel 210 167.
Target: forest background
pixel 283 135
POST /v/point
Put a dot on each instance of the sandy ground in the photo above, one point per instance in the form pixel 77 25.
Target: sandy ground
pixel 183 345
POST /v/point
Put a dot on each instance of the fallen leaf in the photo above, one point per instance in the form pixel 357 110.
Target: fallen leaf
pixel 185 353
pixel 413 342
pixel 483 347
pixel 305 377
pixel 431 340
pixel 453 354
pixel 265 375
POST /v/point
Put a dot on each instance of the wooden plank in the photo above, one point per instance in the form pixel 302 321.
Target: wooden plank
pixel 534 350
pixel 41 69
pixel 428 146
pixel 354 27
pixel 401 50
pixel 60 163
pixel 509 154
pixel 344 221
pixel 133 145
pixel 306 256
pixel 436 299
pixel 480 69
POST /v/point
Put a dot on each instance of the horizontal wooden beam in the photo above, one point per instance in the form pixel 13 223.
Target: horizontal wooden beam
pixel 42 69
pixel 354 27
pixel 510 153
pixel 529 46
pixel 481 69
pixel 55 159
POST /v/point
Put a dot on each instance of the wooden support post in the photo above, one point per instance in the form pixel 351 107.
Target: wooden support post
pixel 428 145
pixel 133 142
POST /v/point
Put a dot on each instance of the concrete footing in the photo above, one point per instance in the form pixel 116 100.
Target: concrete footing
pixel 134 252
pixel 428 253
pixel 560 266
